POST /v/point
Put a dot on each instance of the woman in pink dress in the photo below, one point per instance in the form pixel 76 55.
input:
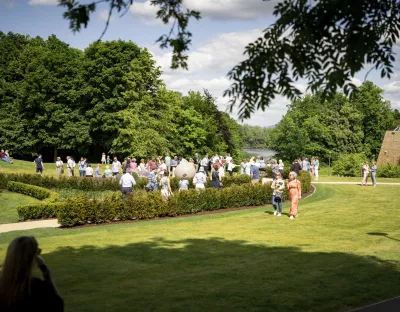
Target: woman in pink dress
pixel 294 187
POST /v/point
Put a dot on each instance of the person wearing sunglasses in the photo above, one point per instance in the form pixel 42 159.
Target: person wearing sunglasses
pixel 19 290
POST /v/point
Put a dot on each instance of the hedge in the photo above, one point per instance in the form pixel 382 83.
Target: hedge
pixel 39 211
pixel 100 184
pixel 33 191
pixel 148 205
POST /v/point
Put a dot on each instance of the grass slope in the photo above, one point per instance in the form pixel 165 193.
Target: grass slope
pixel 8 203
pixel 341 253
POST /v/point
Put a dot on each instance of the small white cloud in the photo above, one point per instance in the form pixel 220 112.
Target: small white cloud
pixel 103 15
pixel 357 82
pixel 145 12
pixel 43 2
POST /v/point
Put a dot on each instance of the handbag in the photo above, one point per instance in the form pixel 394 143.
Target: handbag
pixel 278 196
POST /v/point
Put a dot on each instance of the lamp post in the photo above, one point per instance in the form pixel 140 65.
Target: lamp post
pixel 329 169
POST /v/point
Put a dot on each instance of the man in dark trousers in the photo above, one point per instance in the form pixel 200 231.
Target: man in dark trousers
pixel 296 167
pixel 39 164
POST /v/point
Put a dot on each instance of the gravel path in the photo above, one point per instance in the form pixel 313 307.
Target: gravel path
pixel 20 226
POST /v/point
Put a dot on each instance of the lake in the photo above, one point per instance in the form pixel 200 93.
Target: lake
pixel 263 152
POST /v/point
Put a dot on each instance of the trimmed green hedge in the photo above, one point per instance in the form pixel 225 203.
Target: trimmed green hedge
pixel 97 184
pixel 148 205
pixel 33 191
pixel 39 211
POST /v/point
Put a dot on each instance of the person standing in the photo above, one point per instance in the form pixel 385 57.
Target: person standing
pixel 116 166
pixel 108 172
pixel 59 167
pixel 247 169
pixel 165 184
pixel 152 180
pixel 162 168
pixel 281 167
pixel 70 166
pixel 108 160
pixel 19 289
pixel 174 164
pixel 316 168
pixel 184 183
pixel 196 161
pixel 39 164
pixel 89 171
pixel 278 185
pixel 127 182
pixel 294 187
pixel 373 173
pixel 200 179
pixel 254 174
pixel 204 164
pixel 97 173
pixel 216 178
pixel 365 170
pixel 103 158
pixel 168 162
pixel 296 167
pixel 82 165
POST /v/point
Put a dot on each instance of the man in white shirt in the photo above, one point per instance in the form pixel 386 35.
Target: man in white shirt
pixel 127 182
pixel 116 165
pixel 204 163
pixel 168 162
pixel 70 166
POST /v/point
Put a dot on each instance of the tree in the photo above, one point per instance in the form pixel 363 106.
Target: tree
pixel 40 103
pixel 378 116
pixel 325 42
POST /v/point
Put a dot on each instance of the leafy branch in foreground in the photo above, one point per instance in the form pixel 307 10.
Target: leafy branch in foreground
pixel 179 38
pixel 324 42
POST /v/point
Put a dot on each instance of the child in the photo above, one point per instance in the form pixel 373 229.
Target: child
pixel 108 160
pixel 184 183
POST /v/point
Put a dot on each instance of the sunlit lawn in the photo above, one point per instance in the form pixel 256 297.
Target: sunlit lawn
pixel 8 203
pixel 341 252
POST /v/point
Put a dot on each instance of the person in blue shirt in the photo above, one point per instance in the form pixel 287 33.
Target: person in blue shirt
pixel 254 174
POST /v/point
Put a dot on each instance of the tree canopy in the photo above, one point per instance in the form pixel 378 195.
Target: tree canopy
pixel 108 98
pixel 325 42
pixel 315 126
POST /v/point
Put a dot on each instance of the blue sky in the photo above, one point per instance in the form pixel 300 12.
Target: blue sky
pixel 219 40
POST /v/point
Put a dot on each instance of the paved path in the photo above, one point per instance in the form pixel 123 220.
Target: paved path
pixel 20 226
pixel 391 305
pixel 356 183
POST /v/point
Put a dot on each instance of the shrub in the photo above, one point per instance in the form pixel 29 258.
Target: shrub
pixel 388 171
pixel 348 165
pixel 147 205
pixel 39 211
pixel 33 191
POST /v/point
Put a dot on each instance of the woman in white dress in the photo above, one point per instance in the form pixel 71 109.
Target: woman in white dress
pixel 200 179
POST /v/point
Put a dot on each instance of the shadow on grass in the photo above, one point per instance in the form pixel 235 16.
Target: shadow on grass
pixel 217 275
pixel 384 235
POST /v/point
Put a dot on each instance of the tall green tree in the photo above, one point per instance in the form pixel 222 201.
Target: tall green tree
pixel 377 113
pixel 41 103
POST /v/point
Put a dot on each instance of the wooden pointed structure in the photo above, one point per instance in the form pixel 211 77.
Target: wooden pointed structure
pixel 390 149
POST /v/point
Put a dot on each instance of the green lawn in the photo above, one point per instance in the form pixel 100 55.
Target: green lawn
pixel 8 203
pixel 341 253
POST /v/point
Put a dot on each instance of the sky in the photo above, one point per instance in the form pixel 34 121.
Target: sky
pixel 219 40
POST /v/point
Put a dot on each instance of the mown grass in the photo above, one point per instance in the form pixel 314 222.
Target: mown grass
pixel 8 204
pixel 341 253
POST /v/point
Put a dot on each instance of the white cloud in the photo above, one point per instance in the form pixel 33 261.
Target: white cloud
pixel 232 9
pixel 145 12
pixel 103 15
pixel 357 82
pixel 219 55
pixel 392 87
pixel 211 9
pixel 208 66
pixel 43 2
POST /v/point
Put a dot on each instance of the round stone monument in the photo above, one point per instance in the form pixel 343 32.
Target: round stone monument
pixel 185 167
